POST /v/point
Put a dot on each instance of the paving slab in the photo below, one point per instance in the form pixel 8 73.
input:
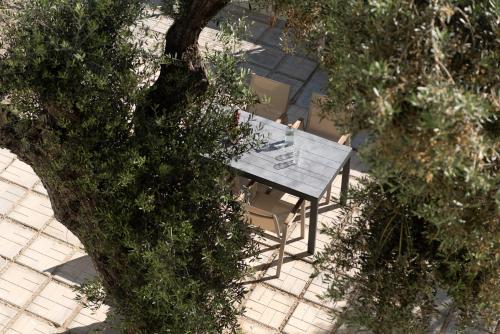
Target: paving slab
pixel 251 327
pixel 76 270
pixel 7 153
pixel 6 314
pixel 55 303
pixel 256 29
pixel 295 112
pixel 9 195
pixel 45 254
pixel 208 45
pixel 359 165
pixel 298 247
pixel 309 319
pixel 269 245
pixel 297 67
pixel 6 159
pixel 316 84
pixel 317 289
pixel 245 47
pixel 88 320
pixel 255 69
pixel 18 284
pixel 59 231
pixel 294 277
pixel 242 10
pixel 160 26
pixel 267 57
pixel 39 188
pixel 295 84
pixel 361 138
pixel 268 306
pixel 208 36
pixel 27 324
pixel 34 210
pixel 259 264
pixel 273 37
pixel 20 173
pixel 14 238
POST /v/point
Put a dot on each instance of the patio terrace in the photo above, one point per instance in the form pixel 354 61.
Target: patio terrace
pixel 40 260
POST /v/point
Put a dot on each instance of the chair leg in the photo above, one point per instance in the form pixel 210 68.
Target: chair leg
pixel 272 20
pixel 329 193
pixel 282 250
pixel 235 185
pixel 303 220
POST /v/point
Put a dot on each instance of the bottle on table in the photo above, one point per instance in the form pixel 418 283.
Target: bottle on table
pixel 289 135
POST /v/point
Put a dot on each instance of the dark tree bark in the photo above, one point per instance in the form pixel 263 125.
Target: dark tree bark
pixel 185 75
pixel 183 34
pixel 66 202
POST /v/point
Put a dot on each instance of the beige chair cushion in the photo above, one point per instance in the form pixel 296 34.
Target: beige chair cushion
pixel 276 93
pixel 264 207
pixel 238 184
pixel 274 204
pixel 263 219
pixel 321 126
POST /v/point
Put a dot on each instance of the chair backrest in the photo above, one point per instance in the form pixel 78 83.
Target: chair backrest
pixel 261 218
pixel 277 94
pixel 321 126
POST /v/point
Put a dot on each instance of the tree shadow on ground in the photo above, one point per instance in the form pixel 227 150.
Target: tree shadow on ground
pixel 76 271
pixel 95 328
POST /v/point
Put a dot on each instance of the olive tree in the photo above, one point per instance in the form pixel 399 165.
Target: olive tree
pixel 422 77
pixel 132 147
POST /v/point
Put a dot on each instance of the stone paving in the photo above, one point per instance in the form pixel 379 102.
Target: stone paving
pixel 41 261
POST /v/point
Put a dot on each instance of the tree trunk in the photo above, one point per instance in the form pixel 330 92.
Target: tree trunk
pixel 184 76
pixel 182 37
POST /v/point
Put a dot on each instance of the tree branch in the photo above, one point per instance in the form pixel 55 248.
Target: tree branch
pixel 8 137
pixel 181 40
pixel 184 32
pixel 185 75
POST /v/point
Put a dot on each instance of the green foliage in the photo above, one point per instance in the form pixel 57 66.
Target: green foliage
pixel 153 208
pixel 378 260
pixel 423 77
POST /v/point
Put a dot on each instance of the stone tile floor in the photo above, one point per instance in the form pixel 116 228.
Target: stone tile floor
pixel 40 260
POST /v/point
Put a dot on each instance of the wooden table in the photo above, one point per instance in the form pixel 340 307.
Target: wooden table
pixel 317 162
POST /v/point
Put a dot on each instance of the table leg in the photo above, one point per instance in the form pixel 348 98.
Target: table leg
pixel 313 222
pixel 345 182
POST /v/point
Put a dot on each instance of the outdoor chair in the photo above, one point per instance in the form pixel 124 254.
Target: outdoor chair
pixel 324 127
pixel 274 95
pixel 236 182
pixel 272 215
